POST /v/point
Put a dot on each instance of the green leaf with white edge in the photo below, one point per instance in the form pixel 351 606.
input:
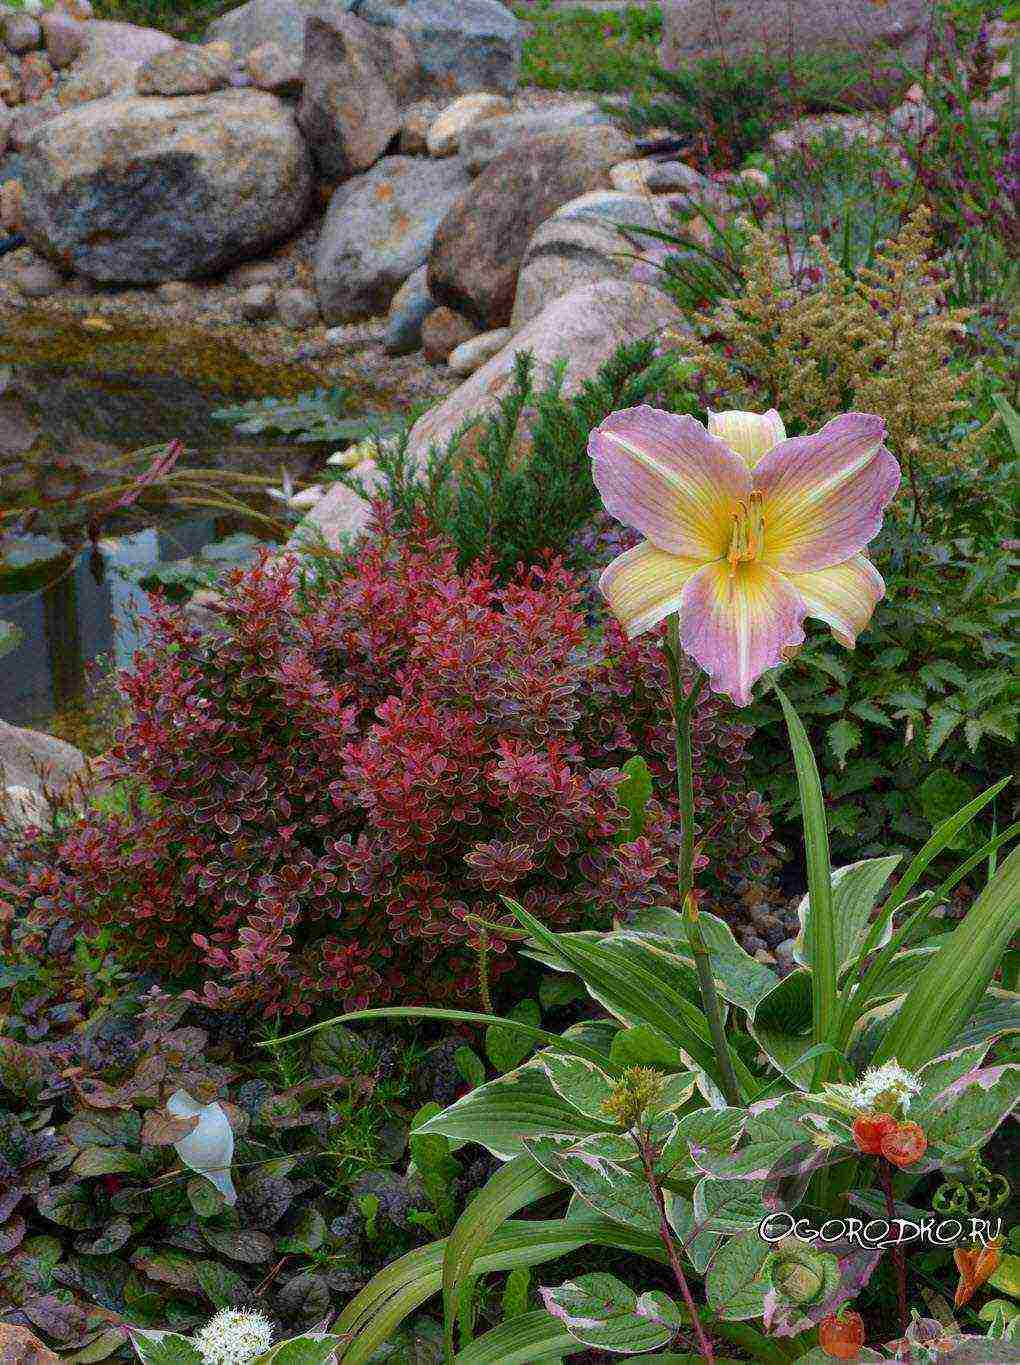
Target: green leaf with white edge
pixel 404 1285
pixel 996 1016
pixel 950 986
pixel 728 1206
pixel 855 892
pixel 528 1339
pixel 734 1285
pixel 698 1246
pixel 601 1311
pixel 513 1187
pixel 676 1091
pixel 713 1131
pixel 499 1114
pixel 782 1026
pixel 768 1135
pixel 164 1348
pixel 820 929
pixel 970 1109
pixel 631 984
pixel 606 1186
pixel 739 978
pixel 584 1086
pixel 1010 419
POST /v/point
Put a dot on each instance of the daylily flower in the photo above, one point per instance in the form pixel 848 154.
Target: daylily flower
pixel 747 531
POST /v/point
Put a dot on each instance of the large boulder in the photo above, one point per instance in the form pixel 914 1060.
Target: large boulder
pixel 478 249
pixel 270 21
pixel 357 78
pixel 462 45
pixel 896 29
pixel 582 329
pixel 480 144
pixel 36 761
pixel 136 190
pixel 378 230
pixel 110 58
pixel 584 241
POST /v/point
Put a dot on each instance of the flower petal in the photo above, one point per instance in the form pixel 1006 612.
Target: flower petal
pixel 736 623
pixel 208 1149
pixel 643 585
pixel 666 477
pixel 825 494
pixel 844 595
pixel 750 434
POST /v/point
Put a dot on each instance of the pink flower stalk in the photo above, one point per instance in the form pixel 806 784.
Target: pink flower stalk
pixel 747 531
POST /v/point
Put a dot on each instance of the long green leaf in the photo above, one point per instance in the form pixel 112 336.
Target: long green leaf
pixel 538 1035
pixel 536 1336
pixel 404 1285
pixel 950 987
pixel 519 1183
pixel 522 1340
pixel 820 929
pixel 629 991
pixel 941 838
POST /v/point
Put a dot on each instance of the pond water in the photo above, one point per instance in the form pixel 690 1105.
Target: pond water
pixel 71 394
pixel 91 611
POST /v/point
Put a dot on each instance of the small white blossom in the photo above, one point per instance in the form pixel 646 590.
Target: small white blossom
pixel 233 1338
pixel 885 1087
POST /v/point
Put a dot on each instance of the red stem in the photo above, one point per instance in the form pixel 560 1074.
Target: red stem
pixel 674 1260
pixel 899 1260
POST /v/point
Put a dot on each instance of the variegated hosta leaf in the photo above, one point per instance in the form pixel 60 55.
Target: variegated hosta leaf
pixel 315 1348
pixel 713 1131
pixel 599 1310
pixel 855 892
pixel 782 1023
pixel 499 1114
pixel 583 1085
pixel 610 1188
pixel 676 1091
pixel 739 977
pixel 852 1268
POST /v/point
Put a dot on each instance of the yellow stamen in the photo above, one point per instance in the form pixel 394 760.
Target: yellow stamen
pixel 747 534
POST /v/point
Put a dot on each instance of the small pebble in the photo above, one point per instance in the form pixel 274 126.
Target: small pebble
pixel 257 302
pixel 297 308
pixel 38 280
pixel 22 32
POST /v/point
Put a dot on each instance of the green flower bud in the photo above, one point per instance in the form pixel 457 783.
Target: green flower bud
pixel 801 1275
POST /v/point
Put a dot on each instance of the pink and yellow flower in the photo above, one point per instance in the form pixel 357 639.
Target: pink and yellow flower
pixel 746 531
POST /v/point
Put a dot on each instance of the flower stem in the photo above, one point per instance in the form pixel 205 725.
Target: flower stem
pixel 665 1233
pixel 683 709
pixel 899 1260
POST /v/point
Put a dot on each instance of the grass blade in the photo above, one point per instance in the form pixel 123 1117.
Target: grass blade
pixel 819 879
pixel 949 988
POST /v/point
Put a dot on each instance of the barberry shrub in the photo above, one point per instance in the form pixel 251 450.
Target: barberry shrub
pixel 351 767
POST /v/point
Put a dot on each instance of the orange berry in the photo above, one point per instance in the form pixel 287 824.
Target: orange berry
pixel 869 1130
pixel 842 1335
pixel 904 1145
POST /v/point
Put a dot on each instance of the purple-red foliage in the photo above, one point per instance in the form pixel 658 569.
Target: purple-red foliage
pixel 347 770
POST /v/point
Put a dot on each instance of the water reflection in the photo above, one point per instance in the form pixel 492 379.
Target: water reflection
pixel 90 609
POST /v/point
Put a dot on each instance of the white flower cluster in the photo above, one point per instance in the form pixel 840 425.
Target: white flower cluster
pixel 232 1338
pixel 884 1088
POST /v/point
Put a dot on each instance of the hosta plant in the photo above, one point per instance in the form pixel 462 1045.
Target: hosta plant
pixel 624 1120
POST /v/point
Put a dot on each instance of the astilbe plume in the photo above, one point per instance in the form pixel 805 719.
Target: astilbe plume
pixel 349 769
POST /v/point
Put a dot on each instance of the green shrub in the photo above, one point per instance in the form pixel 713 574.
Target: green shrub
pixel 576 49
pixel 499 506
